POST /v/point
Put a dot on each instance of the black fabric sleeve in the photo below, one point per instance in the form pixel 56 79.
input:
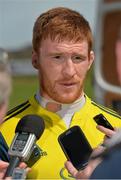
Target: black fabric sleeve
pixel 3 149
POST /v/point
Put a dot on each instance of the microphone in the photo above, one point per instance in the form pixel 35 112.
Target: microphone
pixel 28 130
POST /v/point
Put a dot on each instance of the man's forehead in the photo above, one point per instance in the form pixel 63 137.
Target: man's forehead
pixel 48 43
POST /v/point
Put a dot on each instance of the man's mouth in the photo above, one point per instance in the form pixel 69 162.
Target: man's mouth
pixel 68 84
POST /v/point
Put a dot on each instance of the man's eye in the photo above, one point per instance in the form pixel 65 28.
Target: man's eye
pixel 77 59
pixel 57 57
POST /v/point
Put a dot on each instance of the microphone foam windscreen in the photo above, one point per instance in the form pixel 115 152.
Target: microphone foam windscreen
pixel 31 124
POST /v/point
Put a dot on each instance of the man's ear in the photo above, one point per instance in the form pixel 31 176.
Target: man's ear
pixel 91 58
pixel 35 59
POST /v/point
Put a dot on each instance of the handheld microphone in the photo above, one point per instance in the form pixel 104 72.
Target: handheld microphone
pixel 28 130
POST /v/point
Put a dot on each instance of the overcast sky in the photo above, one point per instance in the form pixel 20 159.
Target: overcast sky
pixel 18 16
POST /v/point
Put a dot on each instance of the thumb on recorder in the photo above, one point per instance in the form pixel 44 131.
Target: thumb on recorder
pixel 4 165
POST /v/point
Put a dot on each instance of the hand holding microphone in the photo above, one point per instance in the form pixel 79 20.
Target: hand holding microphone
pixel 28 130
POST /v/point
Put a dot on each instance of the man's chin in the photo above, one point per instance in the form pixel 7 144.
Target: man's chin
pixel 67 99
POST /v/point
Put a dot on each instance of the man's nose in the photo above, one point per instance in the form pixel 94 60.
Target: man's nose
pixel 68 68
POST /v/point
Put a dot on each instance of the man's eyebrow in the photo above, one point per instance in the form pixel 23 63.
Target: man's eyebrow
pixel 54 53
pixel 78 54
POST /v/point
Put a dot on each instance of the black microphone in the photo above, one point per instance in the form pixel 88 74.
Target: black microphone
pixel 28 130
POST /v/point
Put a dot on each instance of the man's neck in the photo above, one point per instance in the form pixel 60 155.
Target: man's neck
pixel 65 111
pixel 55 106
